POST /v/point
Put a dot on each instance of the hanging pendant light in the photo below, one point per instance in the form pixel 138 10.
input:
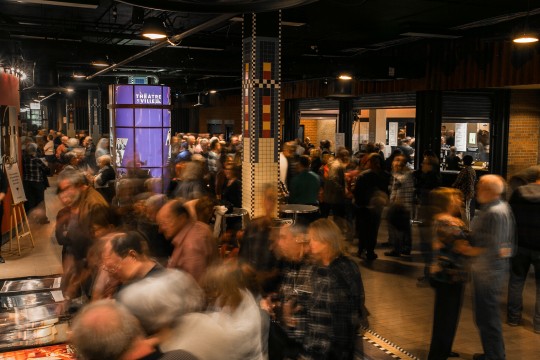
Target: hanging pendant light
pixel 526 37
pixel 153 29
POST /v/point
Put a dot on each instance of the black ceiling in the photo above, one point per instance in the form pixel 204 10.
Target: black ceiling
pixel 55 39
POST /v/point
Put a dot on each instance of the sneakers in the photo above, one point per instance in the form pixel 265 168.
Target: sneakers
pixel 513 323
pixel 2 260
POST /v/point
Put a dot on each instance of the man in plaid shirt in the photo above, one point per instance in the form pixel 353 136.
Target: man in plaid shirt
pixel 34 180
pixel 312 312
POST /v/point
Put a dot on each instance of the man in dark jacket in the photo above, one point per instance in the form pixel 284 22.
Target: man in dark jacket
pixel 525 203
pixel 370 197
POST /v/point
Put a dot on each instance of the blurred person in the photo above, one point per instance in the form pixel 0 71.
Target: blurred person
pixel 300 150
pixel 449 269
pixel 191 144
pixel 525 203
pixel 231 193
pixel 401 204
pixel 370 197
pixel 89 152
pixel 214 165
pixel 84 204
pixel 103 181
pixel 450 138
pixel 125 258
pixel 233 306
pixel 465 182
pixel 184 153
pixel 337 290
pixel 34 182
pixel 107 330
pixel 405 146
pixel 169 307
pixel 287 163
pixel 493 232
pixel 426 179
pixel 3 190
pixel 380 149
pixel 160 248
pixel 335 186
pixel 306 185
pixel 194 247
pixel 325 146
pixel 175 147
pixel 102 148
pixel 318 308
pixel 452 160
pixel 315 160
pixel 190 185
pixel 305 189
pixel 290 308
pixel 202 147
pixel 257 246
pixel 308 146
pixel 48 151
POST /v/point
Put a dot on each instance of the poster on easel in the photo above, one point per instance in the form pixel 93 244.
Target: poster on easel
pixel 15 183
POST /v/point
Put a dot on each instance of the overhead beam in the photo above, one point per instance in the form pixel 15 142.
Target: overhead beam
pixel 173 40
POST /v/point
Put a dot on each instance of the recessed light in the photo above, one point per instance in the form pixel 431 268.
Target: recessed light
pixel 345 77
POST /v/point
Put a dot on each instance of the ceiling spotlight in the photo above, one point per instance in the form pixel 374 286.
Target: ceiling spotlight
pixel 525 39
pixel 153 29
pixel 70 90
pixel 78 76
pixel 345 77
pixel 102 62
pixel 213 91
pixel 41 96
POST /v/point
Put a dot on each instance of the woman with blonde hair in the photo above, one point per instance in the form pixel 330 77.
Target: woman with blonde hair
pixel 448 271
pixel 338 291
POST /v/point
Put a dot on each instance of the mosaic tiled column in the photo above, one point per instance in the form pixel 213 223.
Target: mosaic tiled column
pixel 261 98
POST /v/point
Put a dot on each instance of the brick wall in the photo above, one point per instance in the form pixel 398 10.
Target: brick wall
pixel 524 130
pixel 310 130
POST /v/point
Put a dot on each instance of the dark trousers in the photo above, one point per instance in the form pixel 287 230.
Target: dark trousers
pixel 488 286
pixel 448 301
pixel 367 228
pixel 399 228
pixel 35 195
pixel 520 265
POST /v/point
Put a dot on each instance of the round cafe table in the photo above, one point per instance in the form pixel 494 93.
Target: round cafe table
pixel 296 209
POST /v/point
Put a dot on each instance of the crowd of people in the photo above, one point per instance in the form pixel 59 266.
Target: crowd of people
pixel 167 276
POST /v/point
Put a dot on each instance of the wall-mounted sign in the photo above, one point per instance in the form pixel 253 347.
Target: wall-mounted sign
pixel 461 137
pixel 392 133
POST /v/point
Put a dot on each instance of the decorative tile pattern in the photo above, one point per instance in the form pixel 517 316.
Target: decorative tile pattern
pixel 260 112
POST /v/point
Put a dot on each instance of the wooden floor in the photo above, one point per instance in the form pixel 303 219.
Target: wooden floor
pixel 401 313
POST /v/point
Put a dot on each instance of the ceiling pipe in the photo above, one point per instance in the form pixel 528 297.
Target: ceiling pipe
pixel 173 40
pixel 128 74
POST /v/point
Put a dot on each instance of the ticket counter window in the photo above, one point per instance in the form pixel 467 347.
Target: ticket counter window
pixel 465 138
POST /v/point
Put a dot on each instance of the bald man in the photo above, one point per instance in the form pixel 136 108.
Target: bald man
pixel 105 329
pixel 493 233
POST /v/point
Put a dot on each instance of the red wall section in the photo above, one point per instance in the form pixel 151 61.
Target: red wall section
pixel 9 90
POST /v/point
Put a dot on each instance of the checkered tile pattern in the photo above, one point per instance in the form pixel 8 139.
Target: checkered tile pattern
pixel 260 111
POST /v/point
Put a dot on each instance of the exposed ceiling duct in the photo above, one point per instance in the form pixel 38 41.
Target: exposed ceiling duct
pixel 173 40
pixel 218 6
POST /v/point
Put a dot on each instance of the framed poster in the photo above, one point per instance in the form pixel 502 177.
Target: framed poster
pixel 15 183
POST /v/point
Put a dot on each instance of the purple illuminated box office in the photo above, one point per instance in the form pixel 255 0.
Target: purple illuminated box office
pixel 140 127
